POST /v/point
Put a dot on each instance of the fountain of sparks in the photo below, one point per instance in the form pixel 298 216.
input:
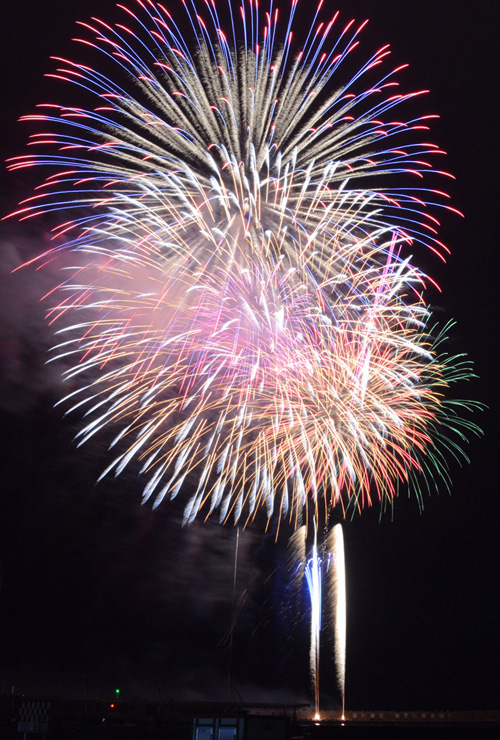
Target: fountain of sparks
pixel 313 578
pixel 337 593
pixel 325 567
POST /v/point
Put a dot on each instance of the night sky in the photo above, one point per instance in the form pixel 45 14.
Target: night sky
pixel 98 592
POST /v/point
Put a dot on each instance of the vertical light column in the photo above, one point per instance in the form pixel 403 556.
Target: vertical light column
pixel 339 604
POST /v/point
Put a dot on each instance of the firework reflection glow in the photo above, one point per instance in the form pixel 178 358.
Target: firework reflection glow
pixel 242 311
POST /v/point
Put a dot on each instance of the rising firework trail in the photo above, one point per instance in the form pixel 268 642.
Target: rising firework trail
pixel 337 593
pixel 241 318
pixel 314 584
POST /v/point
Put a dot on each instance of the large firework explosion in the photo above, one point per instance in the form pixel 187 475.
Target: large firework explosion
pixel 242 309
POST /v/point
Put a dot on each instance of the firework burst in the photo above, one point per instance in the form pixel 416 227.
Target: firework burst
pixel 243 309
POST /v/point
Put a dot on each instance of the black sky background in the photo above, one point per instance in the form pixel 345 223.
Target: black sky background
pixel 98 592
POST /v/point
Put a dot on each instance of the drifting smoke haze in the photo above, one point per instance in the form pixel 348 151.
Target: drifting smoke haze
pixel 162 595
pixel 25 337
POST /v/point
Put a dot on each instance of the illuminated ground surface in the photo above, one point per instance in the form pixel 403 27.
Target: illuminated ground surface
pixel 92 720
